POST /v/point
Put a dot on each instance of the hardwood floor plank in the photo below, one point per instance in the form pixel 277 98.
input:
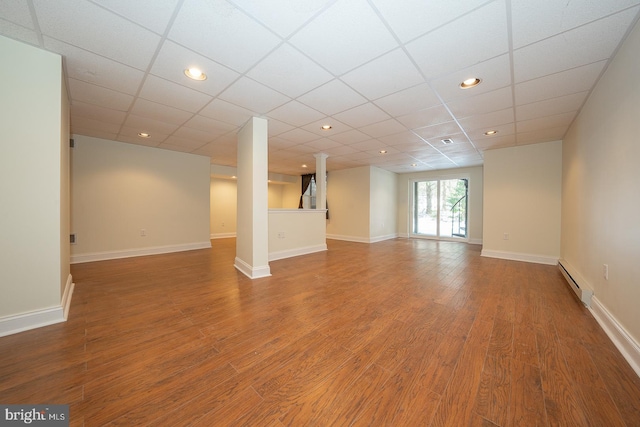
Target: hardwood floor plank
pixel 405 332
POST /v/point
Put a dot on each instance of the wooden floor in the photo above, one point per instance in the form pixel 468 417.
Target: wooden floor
pixel 398 333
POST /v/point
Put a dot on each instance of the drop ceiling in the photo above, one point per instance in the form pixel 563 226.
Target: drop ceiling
pixel 384 74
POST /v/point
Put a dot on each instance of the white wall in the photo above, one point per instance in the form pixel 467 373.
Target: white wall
pixel 475 198
pixel 119 189
pixel 600 185
pixel 33 183
pixel 294 232
pixel 522 197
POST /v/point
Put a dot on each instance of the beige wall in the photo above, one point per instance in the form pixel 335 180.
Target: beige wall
pixel 600 185
pixel 348 197
pixel 120 189
pixel 32 180
pixel 522 197
pixel 383 204
pixel 475 176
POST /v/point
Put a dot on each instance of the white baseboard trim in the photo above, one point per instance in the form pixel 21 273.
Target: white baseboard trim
pixel 475 241
pixel 516 256
pixel 252 272
pixel 617 333
pixel 222 235
pixel 129 253
pixel 66 297
pixel 361 239
pixel 273 256
pixel 35 319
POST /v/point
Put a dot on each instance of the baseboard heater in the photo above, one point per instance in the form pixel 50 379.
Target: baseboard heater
pixel 574 280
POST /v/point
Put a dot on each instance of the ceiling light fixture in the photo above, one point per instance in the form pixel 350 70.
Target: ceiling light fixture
pixel 414 164
pixel 195 74
pixel 144 135
pixel 490 132
pixel 304 166
pixel 326 127
pixel 383 151
pixel 469 83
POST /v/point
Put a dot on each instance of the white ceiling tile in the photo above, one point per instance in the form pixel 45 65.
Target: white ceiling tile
pixel 495 142
pixel 100 125
pixel 365 148
pixel 289 16
pixel 96 112
pixel 408 100
pixel 385 75
pixel 97 23
pixel 323 144
pixel 546 122
pixel 346 35
pixel 332 98
pixel 298 135
pixel 211 126
pixel 561 104
pixel 534 21
pixel 380 129
pixel 494 73
pixel 463 42
pixel 276 127
pixel 94 133
pixel 16 11
pixel 184 143
pixel 350 137
pixel 407 138
pixel 482 104
pixel 426 117
pixel 295 114
pixel 154 15
pixel 223 31
pixel 563 83
pixel 362 115
pixel 503 129
pixel 172 94
pixel 226 112
pixel 18 32
pixel 410 18
pixel 173 59
pixel 91 68
pixel 488 121
pixel 541 135
pixel 253 96
pixel 150 126
pixel 96 95
pixel 161 112
pixel 340 150
pixel 583 45
pixel 194 135
pixel 290 72
pixel 440 131
pixel 131 136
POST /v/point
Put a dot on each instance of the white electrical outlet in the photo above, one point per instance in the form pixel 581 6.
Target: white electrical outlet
pixel 605 271
pixel 280 234
pixel 143 232
pixel 505 236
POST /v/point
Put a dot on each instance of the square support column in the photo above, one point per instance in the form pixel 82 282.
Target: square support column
pixel 252 237
pixel 321 180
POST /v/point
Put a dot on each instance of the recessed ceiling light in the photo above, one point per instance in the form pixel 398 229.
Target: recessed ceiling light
pixel 304 166
pixel 470 83
pixel 414 164
pixel 491 132
pixel 144 135
pixel 195 74
pixel 447 141
pixel 326 127
pixel 383 151
pixel 233 177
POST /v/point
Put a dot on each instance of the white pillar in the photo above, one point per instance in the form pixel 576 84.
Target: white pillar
pixel 252 238
pixel 321 181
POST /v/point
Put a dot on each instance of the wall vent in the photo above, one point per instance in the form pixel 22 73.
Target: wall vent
pixel 447 141
pixel 576 283
pixel 72 143
pixel 72 239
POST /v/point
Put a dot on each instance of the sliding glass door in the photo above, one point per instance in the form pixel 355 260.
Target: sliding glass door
pixel 440 208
